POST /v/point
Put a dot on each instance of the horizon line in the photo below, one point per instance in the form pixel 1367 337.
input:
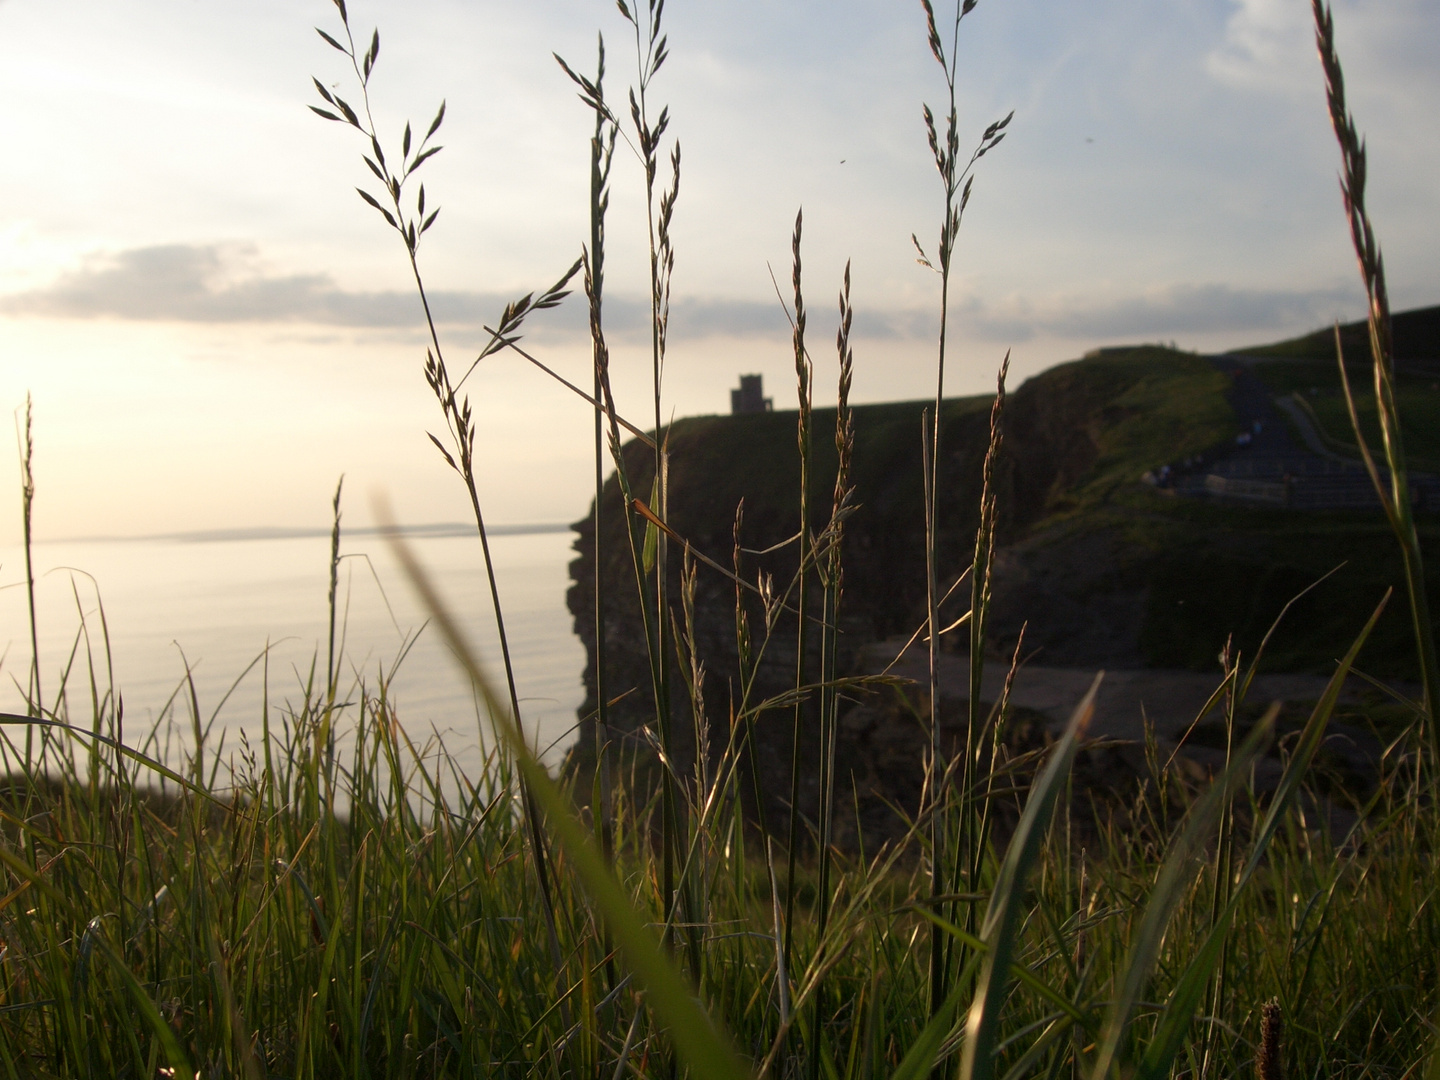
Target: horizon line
pixel 434 530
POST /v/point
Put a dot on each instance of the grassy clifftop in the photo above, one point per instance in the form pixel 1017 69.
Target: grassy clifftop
pixel 1415 335
pixel 1114 573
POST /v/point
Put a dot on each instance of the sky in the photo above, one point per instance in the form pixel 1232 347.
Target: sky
pixel 214 327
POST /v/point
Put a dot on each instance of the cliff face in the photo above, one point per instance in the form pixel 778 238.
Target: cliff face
pixel 1100 570
pixel 716 465
pixel 1053 426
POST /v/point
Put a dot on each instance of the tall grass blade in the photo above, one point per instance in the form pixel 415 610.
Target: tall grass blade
pixel 706 1050
pixel 999 928
pixel 12 720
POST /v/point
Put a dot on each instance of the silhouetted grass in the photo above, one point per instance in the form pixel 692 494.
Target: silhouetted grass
pixel 317 906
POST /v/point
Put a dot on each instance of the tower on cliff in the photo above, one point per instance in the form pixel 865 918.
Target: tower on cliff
pixel 750 398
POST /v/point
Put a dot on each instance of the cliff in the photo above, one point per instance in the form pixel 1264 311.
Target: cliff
pixel 1101 569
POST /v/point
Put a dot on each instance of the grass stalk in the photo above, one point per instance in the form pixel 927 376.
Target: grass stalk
pixel 650 53
pixel 35 697
pixel 331 674
pixel 1397 501
pixel 653 558
pixel 803 376
pixel 957 182
pixel 833 582
pixel 455 407
pixel 602 152
pixel 972 844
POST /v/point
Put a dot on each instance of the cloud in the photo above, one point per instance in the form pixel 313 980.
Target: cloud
pixel 1269 44
pixel 224 283
pixel 1162 313
pixel 220 283
pixel 1159 313
pixel 208 283
pixel 697 317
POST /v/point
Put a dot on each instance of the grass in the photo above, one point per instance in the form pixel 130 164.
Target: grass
pixel 1203 591
pixel 338 900
pixel 1419 409
pixel 1416 336
pixel 1317 382
pixel 402 936
pixel 1150 406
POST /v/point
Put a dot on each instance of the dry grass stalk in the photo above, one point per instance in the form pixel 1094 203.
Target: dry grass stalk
pixel 1268 1064
pixel 1397 501
pixel 957 181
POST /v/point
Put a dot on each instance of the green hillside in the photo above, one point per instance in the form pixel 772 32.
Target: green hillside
pixel 1317 382
pixel 1415 335
pixel 1196 573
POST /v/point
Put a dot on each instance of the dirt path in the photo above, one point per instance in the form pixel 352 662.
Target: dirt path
pixel 1170 699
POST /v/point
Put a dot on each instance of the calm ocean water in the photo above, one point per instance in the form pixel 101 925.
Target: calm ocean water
pixel 217 603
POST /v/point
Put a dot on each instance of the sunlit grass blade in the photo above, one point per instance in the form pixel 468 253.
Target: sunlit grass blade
pixel 1018 971
pixel 707 1051
pixel 923 1051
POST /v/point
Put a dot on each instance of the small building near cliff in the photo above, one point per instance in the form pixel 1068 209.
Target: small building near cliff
pixel 750 398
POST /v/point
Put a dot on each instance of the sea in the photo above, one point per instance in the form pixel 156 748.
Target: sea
pixel 244 616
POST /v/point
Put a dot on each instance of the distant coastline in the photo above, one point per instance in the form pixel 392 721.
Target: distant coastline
pixel 436 530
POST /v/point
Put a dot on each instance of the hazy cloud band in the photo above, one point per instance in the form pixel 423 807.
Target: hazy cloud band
pixel 211 284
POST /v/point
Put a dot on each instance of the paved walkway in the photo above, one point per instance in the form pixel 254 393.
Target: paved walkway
pixel 1267 465
pixel 1306 429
